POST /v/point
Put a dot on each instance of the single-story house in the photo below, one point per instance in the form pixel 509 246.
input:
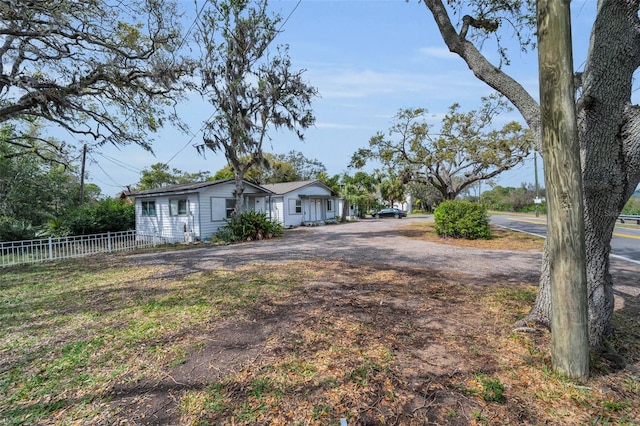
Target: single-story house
pixel 194 210
pixel 306 202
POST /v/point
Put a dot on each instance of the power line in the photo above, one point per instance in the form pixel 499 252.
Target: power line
pixel 106 183
pixel 289 16
pixel 193 24
pixel 117 185
pixel 193 135
pixel 119 163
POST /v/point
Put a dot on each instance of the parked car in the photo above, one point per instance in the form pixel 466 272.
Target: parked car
pixel 397 213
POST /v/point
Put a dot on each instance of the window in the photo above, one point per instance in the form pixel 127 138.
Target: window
pixel 148 208
pixel 295 206
pixel 230 205
pixel 329 205
pixel 178 207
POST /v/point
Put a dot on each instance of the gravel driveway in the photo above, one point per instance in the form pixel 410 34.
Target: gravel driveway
pixel 369 241
pixel 373 241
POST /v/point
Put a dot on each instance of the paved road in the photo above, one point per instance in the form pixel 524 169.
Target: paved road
pixel 625 244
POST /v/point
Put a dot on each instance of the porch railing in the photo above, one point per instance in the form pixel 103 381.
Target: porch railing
pixel 55 248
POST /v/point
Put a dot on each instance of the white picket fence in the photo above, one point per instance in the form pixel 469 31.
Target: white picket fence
pixel 55 248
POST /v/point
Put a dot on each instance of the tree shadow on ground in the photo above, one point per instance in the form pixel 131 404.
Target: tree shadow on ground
pixel 428 324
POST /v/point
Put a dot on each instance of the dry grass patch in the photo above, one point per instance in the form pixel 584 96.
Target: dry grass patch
pixel 305 342
pixel 501 238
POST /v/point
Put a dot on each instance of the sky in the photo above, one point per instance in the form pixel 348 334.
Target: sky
pixel 368 59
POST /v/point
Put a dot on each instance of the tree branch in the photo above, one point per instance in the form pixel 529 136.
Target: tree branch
pixel 484 70
pixel 82 65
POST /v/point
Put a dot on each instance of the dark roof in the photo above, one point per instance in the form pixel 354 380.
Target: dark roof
pixel 188 187
pixel 286 187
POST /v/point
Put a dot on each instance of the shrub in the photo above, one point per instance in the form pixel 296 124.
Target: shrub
pixel 249 226
pixel 109 214
pixel 462 219
pixel 55 227
pixel 12 229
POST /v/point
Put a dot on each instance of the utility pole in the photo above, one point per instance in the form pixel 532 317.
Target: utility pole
pixel 563 180
pixel 537 199
pixel 84 160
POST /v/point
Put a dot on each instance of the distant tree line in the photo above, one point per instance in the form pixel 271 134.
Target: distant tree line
pixel 500 198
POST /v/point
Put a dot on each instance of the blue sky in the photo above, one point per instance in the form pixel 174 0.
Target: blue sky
pixel 368 59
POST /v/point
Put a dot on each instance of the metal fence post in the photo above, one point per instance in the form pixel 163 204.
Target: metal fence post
pixel 50 248
pixel 109 241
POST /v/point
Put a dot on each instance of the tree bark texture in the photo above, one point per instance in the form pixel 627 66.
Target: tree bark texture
pixel 565 221
pixel 239 195
pixel 345 210
pixel 609 134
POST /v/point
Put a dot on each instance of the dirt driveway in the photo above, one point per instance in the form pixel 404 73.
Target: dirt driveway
pixel 374 241
pixel 379 242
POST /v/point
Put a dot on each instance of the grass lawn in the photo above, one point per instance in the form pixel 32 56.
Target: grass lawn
pixel 101 340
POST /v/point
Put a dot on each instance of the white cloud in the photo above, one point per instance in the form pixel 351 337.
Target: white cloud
pixel 369 83
pixel 437 52
pixel 338 126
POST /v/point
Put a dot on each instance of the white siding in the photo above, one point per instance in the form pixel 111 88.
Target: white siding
pixel 211 215
pixel 277 210
pixel 163 223
pixel 314 206
pixel 312 190
pixel 351 214
pixel 205 214
pixel 146 224
pixel 210 208
pixel 291 217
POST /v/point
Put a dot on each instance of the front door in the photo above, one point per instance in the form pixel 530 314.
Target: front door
pixel 313 212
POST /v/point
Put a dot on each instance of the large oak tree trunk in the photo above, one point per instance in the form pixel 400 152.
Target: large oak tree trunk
pixel 609 154
pixel 609 133
pixel 614 55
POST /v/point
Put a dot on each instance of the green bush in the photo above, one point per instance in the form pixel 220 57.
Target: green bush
pixel 249 226
pixel 462 219
pixel 107 215
pixel 55 227
pixel 12 229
